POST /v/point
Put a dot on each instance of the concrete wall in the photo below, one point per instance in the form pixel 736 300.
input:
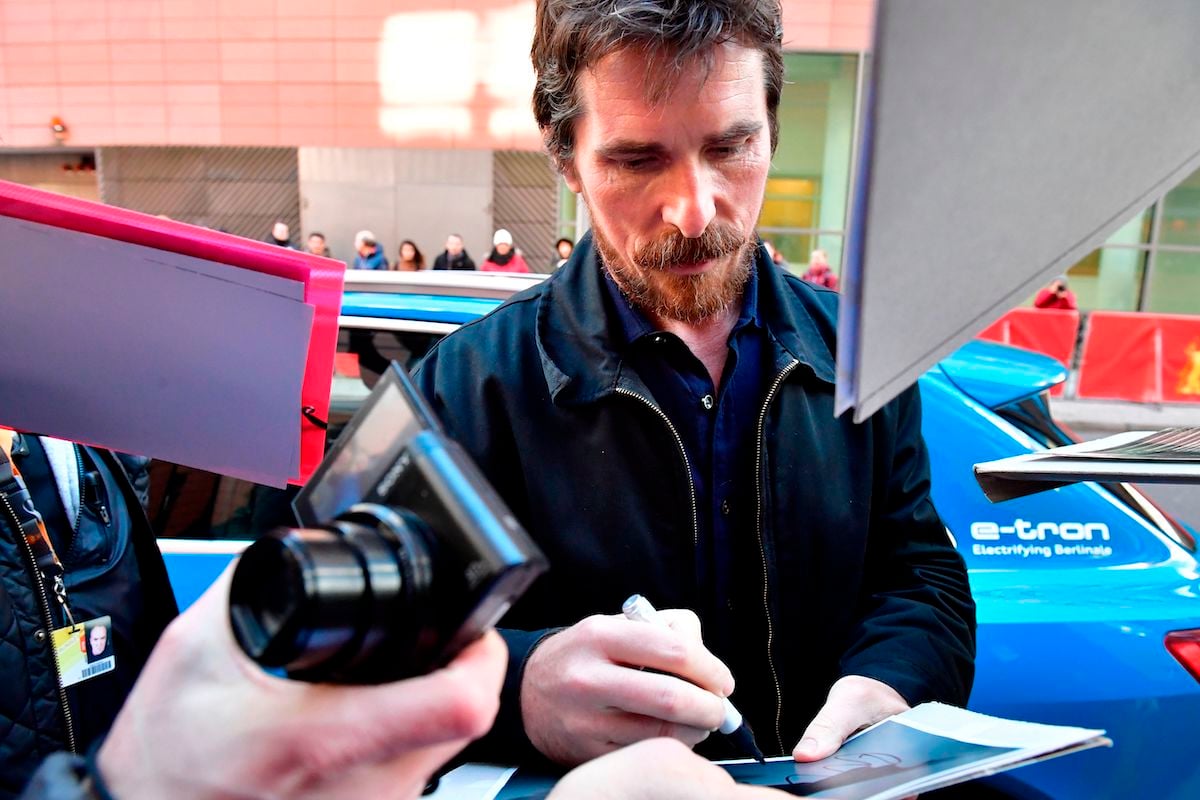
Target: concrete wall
pixel 397 194
pixel 349 73
pixel 525 202
pixel 242 190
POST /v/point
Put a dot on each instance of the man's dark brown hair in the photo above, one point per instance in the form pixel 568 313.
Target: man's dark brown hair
pixel 572 35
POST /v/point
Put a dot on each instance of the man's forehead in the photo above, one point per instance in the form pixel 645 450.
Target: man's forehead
pixel 633 82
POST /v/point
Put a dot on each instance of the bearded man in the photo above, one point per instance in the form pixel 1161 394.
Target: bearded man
pixel 659 416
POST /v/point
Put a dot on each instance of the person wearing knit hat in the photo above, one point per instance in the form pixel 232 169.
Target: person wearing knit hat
pixel 504 257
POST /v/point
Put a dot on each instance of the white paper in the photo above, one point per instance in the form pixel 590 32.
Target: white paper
pixel 927 747
pixel 1030 473
pixel 151 352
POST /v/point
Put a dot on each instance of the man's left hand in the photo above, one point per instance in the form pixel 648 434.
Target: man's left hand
pixel 854 703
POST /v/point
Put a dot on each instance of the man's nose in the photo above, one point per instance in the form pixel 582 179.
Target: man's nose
pixel 690 204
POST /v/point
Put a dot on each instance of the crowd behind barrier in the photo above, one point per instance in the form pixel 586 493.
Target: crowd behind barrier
pixel 1115 355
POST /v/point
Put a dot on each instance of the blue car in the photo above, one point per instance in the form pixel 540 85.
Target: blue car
pixel 1087 594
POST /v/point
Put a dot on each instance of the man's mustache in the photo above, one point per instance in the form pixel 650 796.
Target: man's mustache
pixel 674 248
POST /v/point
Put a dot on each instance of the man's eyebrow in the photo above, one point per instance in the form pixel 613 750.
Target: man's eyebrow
pixel 631 148
pixel 626 148
pixel 736 132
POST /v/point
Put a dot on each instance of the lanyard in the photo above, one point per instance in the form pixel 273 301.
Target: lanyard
pixel 34 530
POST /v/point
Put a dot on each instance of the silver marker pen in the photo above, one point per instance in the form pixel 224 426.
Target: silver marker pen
pixel 639 609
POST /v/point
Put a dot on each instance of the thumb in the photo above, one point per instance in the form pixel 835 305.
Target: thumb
pixel 825 734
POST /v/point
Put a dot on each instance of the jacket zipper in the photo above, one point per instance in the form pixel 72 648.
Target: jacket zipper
pixel 44 604
pixel 687 464
pixel 762 550
pixel 82 488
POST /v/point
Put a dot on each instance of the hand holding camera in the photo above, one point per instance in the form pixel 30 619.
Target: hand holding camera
pixel 205 722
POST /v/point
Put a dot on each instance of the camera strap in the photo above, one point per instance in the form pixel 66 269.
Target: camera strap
pixel 19 504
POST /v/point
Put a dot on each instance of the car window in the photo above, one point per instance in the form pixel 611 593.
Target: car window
pixel 362 356
pixel 191 503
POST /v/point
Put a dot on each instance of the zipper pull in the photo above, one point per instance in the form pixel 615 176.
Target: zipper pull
pixel 90 494
pixel 60 594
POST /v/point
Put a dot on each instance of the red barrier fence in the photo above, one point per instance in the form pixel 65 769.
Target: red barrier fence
pixel 1146 358
pixel 1050 331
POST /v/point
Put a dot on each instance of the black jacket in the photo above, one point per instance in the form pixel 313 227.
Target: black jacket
pixel 447 261
pixel 113 568
pixel 849 572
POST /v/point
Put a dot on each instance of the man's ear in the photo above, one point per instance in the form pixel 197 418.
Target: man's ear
pixel 571 176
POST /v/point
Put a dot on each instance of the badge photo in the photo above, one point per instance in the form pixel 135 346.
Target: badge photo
pixel 84 650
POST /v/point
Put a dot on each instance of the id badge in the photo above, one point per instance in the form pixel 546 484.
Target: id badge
pixel 84 650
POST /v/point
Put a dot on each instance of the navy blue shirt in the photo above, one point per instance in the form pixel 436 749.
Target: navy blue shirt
pixel 718 427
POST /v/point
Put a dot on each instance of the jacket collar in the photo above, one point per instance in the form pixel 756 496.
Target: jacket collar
pixel 578 332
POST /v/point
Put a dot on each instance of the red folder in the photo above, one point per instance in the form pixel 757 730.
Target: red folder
pixel 322 279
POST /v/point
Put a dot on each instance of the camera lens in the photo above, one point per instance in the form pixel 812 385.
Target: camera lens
pixel 342 603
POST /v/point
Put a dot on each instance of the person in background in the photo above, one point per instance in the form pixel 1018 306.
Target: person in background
pixel 1056 295
pixel 562 251
pixel 316 245
pixel 819 272
pixel 78 507
pixel 454 256
pixel 368 253
pixel 504 257
pixel 411 259
pixel 281 235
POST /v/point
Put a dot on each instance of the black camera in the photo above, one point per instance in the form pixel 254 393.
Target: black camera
pixel 407 554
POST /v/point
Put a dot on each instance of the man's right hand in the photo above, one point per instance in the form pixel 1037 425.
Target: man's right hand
pixel 585 694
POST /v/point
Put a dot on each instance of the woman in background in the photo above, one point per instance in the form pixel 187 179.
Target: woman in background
pixel 410 259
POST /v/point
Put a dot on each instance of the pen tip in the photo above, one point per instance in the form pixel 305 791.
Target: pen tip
pixel 744 736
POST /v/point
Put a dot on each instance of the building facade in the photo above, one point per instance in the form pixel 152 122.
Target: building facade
pixel 411 118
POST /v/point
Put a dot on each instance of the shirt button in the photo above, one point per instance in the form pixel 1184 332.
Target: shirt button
pixel 725 507
pixel 39 635
pixel 707 401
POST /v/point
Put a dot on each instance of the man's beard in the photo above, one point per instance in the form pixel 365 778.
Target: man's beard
pixel 650 284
